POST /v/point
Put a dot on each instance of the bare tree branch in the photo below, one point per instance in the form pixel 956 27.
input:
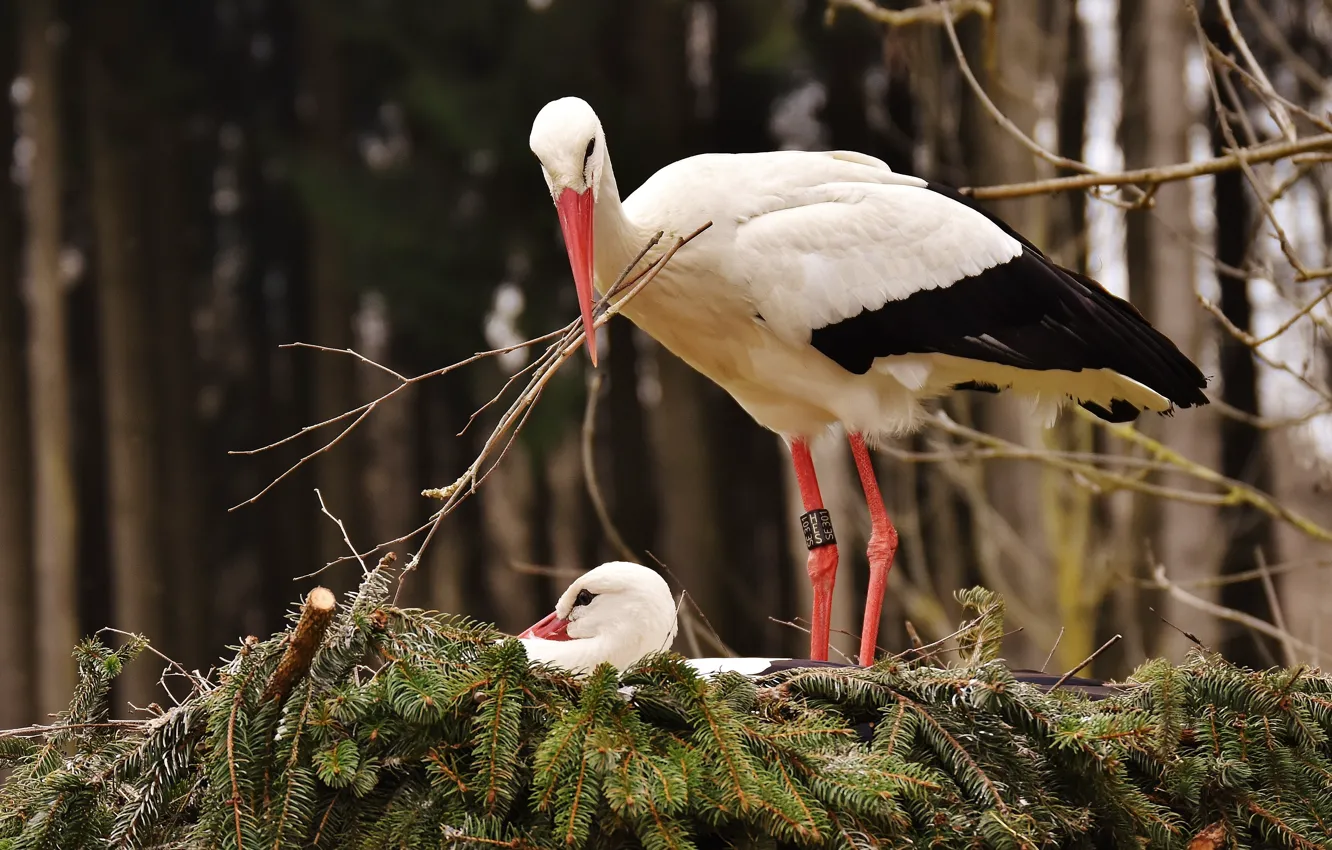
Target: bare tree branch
pixel 1229 614
pixel 1267 152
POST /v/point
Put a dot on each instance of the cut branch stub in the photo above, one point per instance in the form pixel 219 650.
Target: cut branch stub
pixel 316 614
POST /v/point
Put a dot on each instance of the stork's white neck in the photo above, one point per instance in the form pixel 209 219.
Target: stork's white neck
pixel 577 656
pixel 618 239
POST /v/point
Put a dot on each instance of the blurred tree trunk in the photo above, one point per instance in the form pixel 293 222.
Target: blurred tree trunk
pixel 1018 68
pixel 1155 41
pixel 1079 584
pixel 116 145
pixel 569 513
pixel 631 498
pixel 681 484
pixel 691 520
pixel 446 563
pixel 507 527
pixel 55 516
pixel 1244 451
pixel 16 639
pixel 274 271
pixel 846 53
pixel 1244 455
pixel 391 499
pixel 332 301
pixel 175 228
pixel 457 557
pixel 1300 483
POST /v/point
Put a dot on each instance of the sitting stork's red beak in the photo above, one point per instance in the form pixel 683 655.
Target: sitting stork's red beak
pixel 550 627
pixel 575 211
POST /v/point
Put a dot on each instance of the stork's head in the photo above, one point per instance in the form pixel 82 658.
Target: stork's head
pixel 617 613
pixel 567 138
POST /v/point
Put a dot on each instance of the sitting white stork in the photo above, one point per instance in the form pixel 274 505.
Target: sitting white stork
pixel 621 612
pixel 830 289
pixel 616 613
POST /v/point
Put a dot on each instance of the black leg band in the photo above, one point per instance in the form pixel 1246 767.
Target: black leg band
pixel 818 529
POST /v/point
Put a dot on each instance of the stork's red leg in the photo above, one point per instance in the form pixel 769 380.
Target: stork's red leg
pixel 822 549
pixel 882 547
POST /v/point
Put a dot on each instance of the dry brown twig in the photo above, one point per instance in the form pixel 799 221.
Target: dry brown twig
pixel 1271 100
pixel 1161 582
pixel 946 17
pixel 1265 87
pixel 1088 660
pixel 1050 657
pixel 1274 605
pixel 1143 181
pixel 586 442
pixel 1249 575
pixel 1252 343
pixel 361 412
pixel 512 420
pixel 323 508
pixel 795 625
pixel 695 611
pixel 1230 491
pixel 563 345
pixel 198 683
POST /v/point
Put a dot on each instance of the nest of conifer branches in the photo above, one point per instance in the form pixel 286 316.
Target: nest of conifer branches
pixel 405 728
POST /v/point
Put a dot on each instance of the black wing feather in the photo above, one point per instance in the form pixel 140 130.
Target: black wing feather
pixel 1027 313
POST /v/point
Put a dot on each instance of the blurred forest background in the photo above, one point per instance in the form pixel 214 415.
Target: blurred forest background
pixel 195 183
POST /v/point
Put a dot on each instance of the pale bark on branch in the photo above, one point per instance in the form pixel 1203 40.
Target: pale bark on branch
pixel 316 615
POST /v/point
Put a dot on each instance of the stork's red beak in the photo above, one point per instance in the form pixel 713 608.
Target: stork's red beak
pixel 575 212
pixel 550 627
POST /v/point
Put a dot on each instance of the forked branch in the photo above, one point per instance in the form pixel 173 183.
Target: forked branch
pixel 562 345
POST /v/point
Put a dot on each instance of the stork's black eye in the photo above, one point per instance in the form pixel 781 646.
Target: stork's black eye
pixel 584 598
pixel 591 145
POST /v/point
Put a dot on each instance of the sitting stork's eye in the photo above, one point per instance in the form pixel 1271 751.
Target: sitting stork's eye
pixel 584 598
pixel 591 145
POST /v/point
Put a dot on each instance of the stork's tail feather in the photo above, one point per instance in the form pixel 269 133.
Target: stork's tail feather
pixel 1119 410
pixel 1158 364
pixel 1036 314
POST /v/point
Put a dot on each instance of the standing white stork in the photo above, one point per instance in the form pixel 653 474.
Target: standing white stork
pixel 831 289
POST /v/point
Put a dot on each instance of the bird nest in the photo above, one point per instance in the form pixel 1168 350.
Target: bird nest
pixel 365 725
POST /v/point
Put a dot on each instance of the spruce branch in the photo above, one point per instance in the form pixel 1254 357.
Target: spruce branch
pixel 453 734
